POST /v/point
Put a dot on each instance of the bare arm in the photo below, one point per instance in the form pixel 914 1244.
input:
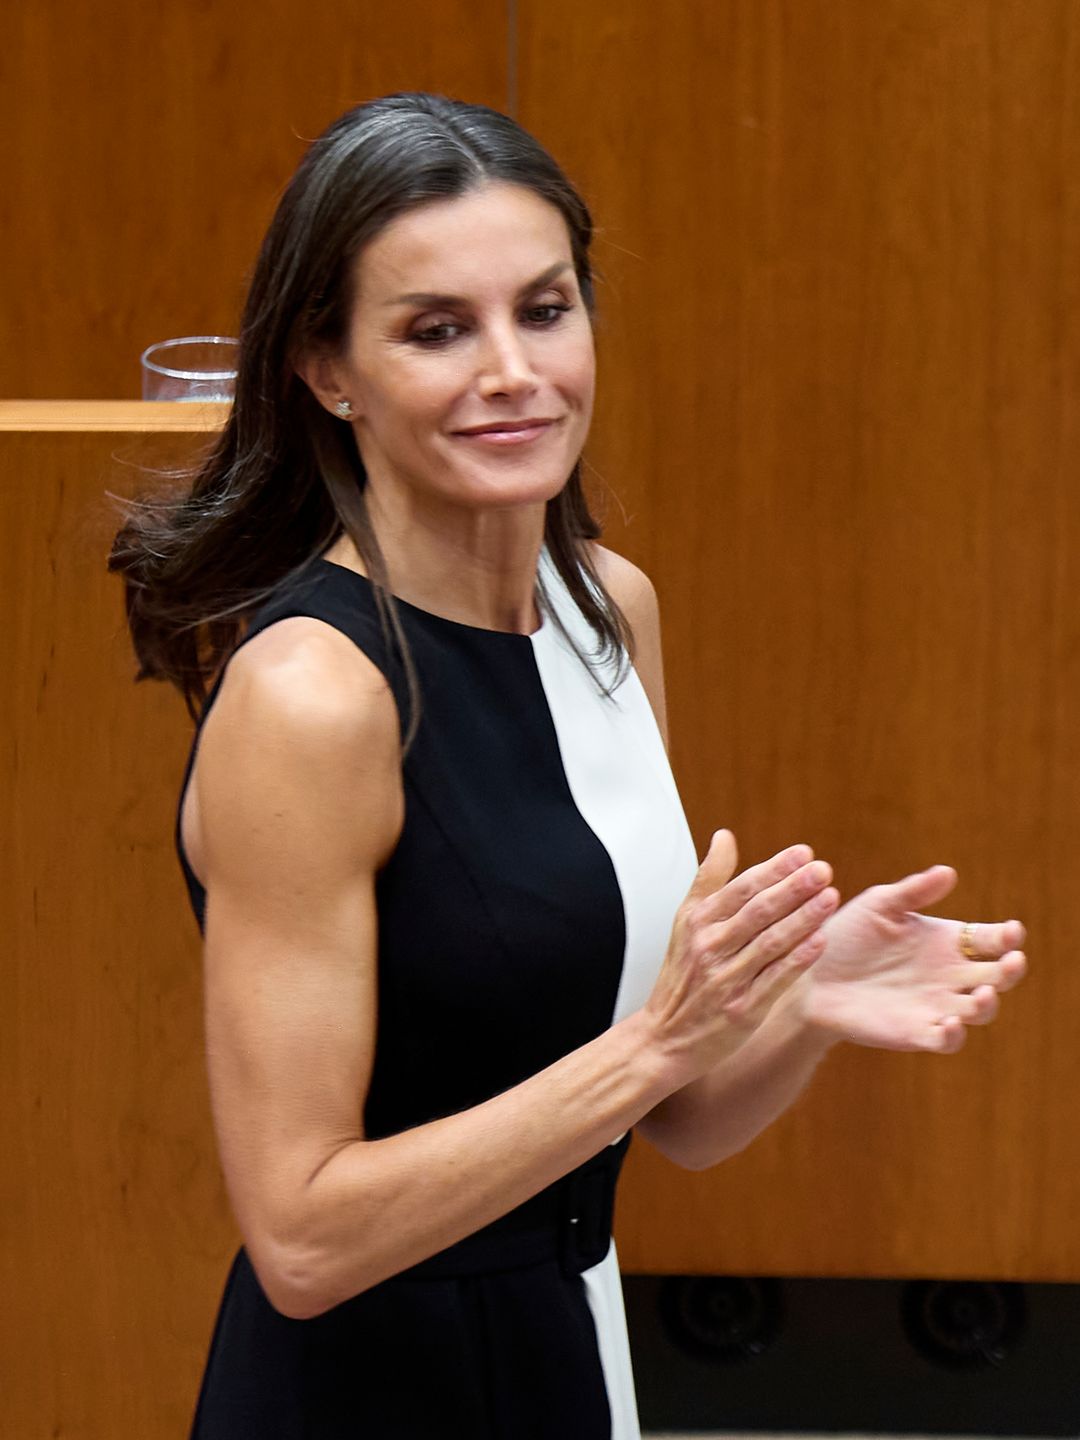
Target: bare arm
pixel 888 977
pixel 298 785
pixel 719 1114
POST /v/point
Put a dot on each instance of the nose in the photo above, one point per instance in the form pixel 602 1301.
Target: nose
pixel 506 367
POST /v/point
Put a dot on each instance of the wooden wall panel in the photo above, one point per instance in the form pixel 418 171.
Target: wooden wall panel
pixel 143 149
pixel 838 425
pixel 114 1230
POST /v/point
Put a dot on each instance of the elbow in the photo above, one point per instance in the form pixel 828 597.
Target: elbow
pixel 696 1162
pixel 687 1149
pixel 305 1263
pixel 697 1159
pixel 706 1156
pixel 291 1279
pixel 299 1278
pixel 293 1297
pixel 296 1304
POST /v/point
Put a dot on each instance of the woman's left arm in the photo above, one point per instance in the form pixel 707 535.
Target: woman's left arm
pixel 719 1115
pixel 889 977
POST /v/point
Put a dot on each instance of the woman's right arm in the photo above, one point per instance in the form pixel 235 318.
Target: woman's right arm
pixel 299 803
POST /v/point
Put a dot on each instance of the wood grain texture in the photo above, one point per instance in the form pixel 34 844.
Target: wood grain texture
pixel 114 1232
pixel 143 149
pixel 140 417
pixel 838 426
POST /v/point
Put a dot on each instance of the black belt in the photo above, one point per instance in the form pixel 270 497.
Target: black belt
pixel 569 1222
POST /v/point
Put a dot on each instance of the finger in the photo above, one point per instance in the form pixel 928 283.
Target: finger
pixel 764 876
pixel 1013 934
pixel 926 887
pixel 764 947
pixel 983 1006
pixel 948 1037
pixel 941 1037
pixel 769 984
pixel 759 880
pixel 719 865
pixel 975 1007
pixel 990 941
pixel 764 911
pixel 1001 974
pixel 1014 968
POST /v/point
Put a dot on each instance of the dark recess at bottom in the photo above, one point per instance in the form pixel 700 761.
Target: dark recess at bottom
pixel 928 1357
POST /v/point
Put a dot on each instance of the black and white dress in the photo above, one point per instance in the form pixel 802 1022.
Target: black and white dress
pixel 526 907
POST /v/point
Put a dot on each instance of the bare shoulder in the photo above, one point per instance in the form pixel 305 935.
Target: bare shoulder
pixel 303 720
pixel 304 674
pixel 633 592
pixel 631 589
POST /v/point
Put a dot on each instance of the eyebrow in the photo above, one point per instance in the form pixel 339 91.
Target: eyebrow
pixel 431 300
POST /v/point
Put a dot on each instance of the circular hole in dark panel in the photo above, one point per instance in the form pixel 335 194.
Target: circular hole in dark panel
pixel 963 1324
pixel 727 1318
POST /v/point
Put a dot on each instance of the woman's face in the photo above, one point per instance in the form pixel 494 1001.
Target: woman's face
pixel 469 359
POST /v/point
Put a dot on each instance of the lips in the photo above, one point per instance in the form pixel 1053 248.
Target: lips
pixel 507 427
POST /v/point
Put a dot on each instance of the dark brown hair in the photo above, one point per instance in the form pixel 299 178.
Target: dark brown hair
pixel 285 478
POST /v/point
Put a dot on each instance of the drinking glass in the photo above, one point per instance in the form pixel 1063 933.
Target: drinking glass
pixel 195 367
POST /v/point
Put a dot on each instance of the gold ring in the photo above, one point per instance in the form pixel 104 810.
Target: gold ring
pixel 964 939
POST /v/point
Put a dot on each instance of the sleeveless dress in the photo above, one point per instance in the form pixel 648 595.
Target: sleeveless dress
pixel 526 907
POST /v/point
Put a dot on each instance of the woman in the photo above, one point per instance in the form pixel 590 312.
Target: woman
pixel 430 831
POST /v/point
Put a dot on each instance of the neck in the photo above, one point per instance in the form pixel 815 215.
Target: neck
pixel 475 567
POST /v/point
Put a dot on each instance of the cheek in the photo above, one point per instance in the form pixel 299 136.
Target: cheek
pixel 581 368
pixel 404 401
pixel 580 379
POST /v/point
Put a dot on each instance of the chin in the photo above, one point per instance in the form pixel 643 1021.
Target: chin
pixel 509 485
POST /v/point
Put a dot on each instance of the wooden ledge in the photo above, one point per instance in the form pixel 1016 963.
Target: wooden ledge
pixel 134 416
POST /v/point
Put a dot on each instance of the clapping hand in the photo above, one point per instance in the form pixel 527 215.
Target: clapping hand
pixel 895 979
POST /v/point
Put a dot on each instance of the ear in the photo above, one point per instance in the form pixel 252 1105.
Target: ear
pixel 321 371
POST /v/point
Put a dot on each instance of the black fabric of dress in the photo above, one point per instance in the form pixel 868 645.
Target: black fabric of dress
pixel 501 939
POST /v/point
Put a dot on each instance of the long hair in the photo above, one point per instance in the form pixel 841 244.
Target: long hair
pixel 285 479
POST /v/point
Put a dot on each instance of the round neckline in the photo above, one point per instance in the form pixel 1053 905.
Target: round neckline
pixel 445 619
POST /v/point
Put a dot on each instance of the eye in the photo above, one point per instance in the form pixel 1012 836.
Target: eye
pixel 438 334
pixel 544 315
